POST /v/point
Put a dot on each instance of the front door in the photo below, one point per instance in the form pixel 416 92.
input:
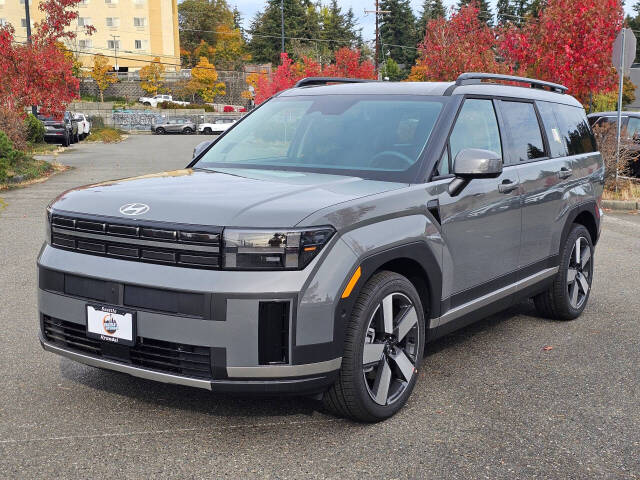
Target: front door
pixel 481 226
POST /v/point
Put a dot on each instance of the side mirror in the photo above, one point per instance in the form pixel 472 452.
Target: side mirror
pixel 201 147
pixel 473 163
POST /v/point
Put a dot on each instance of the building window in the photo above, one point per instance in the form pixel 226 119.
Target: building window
pixel 137 3
pixel 140 44
pixel 84 44
pixel 23 22
pixel 84 2
pixel 113 44
pixel 3 21
pixel 113 22
pixel 111 2
pixel 139 21
pixel 84 21
pixel 22 2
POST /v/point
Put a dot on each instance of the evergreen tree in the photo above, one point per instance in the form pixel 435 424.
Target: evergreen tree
pixel 431 9
pixel 397 28
pixel 506 12
pixel 484 14
pixel 265 29
pixel 237 22
pixel 337 27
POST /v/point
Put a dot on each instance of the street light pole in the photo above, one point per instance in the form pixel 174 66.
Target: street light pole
pixel 34 108
pixel 282 23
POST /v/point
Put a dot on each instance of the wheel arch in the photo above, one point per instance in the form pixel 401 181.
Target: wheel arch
pixel 585 215
pixel 415 261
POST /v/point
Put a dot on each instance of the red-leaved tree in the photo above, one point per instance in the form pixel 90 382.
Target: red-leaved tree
pixel 569 43
pixel 460 44
pixel 349 64
pixel 39 73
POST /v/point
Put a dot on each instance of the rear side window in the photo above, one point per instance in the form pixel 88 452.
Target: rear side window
pixel 575 129
pixel 633 127
pixel 476 127
pixel 556 143
pixel 525 138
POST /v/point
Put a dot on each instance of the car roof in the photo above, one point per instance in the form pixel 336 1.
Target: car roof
pixel 433 89
pixel 614 114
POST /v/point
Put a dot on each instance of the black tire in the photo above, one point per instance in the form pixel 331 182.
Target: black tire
pixel 207 131
pixel 148 104
pixel 77 138
pixel 65 140
pixel 160 131
pixel 187 131
pixel 351 395
pixel 558 302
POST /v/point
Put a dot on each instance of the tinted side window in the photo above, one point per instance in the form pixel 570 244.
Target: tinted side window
pixel 476 127
pixel 551 127
pixel 525 139
pixel 575 129
pixel 633 127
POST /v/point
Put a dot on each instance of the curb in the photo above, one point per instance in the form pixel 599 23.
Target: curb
pixel 620 205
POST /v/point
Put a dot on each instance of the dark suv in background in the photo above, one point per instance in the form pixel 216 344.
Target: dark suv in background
pixel 318 244
pixel 63 129
pixel 630 129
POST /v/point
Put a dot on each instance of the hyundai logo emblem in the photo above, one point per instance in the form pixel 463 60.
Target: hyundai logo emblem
pixel 134 209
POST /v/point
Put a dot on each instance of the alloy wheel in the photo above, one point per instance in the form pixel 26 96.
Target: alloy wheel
pixel 390 349
pixel 579 272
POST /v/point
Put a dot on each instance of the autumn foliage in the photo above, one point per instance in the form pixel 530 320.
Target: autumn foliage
pixel 349 64
pixel 462 44
pixel 568 42
pixel 40 73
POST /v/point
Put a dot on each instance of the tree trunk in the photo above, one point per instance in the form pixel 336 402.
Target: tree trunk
pixel 101 97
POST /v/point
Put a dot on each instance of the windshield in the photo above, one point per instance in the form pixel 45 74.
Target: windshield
pixel 378 137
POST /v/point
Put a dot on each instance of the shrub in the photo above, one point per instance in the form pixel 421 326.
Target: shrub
pixel 12 124
pixel 228 108
pixel 8 155
pixel 35 129
pixel 607 144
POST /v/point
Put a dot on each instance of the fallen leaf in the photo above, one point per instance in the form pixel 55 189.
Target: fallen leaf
pixel 546 348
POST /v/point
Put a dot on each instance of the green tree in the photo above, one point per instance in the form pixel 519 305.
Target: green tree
pixel 506 10
pixel 431 9
pixel 265 29
pixel 338 27
pixel 397 31
pixel 392 71
pixel 199 20
pixel 485 14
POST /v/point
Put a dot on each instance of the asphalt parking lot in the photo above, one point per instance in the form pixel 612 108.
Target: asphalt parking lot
pixel 491 401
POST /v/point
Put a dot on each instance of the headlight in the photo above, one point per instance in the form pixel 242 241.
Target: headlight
pixel 288 249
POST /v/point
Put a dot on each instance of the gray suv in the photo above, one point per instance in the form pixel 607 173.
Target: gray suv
pixel 318 244
pixel 174 125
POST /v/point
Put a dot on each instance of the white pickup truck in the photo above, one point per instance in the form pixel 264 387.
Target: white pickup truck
pixel 156 99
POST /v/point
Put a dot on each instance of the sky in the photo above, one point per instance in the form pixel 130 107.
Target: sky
pixel 248 8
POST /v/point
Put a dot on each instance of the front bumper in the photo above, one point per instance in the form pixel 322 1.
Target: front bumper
pixel 215 312
pixel 310 383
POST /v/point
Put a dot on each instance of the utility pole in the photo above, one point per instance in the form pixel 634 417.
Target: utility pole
pixel 282 23
pixel 115 49
pixel 377 13
pixel 34 108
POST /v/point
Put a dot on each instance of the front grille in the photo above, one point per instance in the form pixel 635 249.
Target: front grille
pixel 167 357
pixel 152 242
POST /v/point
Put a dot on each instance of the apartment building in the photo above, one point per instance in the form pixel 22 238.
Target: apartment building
pixel 129 32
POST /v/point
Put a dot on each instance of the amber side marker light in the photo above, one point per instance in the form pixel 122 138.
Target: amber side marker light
pixel 352 283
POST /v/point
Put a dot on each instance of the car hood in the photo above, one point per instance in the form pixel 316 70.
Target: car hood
pixel 225 197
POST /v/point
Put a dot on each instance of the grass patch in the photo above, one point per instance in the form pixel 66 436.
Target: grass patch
pixel 628 190
pixel 28 170
pixel 106 135
pixel 42 148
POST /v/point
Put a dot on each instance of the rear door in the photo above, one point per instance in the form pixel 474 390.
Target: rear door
pixel 481 226
pixel 545 172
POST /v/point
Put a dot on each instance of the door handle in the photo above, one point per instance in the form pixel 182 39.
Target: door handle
pixel 508 186
pixel 565 172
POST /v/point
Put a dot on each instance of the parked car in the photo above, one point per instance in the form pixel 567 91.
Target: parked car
pixel 174 125
pixel 84 125
pixel 61 129
pixel 318 245
pixel 630 128
pixel 156 99
pixel 218 126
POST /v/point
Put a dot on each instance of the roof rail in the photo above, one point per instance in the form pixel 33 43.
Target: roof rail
pixel 310 81
pixel 475 77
